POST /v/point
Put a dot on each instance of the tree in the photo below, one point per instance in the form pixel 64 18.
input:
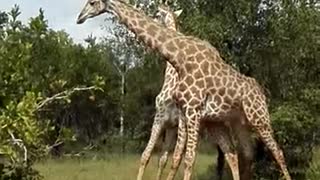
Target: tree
pixel 37 64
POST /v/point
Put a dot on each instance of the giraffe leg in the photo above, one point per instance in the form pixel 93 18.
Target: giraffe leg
pixel 245 164
pixel 155 133
pixel 193 125
pixel 258 116
pixel 170 139
pixel 179 148
pixel 220 134
pixel 243 136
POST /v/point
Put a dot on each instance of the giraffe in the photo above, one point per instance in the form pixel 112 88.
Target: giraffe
pixel 208 88
pixel 166 117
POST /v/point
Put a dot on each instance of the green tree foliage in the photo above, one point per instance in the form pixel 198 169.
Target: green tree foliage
pixel 42 99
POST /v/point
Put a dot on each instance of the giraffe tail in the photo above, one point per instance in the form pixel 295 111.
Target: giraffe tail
pixel 220 163
pixel 260 150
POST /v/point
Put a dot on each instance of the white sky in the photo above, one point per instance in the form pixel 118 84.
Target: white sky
pixel 61 14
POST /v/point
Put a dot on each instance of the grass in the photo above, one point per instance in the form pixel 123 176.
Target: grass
pixel 112 167
pixel 125 167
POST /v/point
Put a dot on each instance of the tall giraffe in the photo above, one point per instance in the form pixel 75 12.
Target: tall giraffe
pixel 166 117
pixel 208 88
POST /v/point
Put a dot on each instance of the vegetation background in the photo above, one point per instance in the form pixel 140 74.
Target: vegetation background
pixel 78 104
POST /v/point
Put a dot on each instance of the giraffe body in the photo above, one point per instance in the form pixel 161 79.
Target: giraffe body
pixel 167 115
pixel 208 88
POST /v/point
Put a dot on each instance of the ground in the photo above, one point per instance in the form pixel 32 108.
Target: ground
pixel 125 167
pixel 113 167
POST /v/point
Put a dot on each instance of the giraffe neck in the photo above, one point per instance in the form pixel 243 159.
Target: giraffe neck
pixel 170 22
pixel 146 29
pixel 170 25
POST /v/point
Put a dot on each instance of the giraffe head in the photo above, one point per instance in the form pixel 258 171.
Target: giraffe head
pixel 91 9
pixel 166 16
pixel 94 8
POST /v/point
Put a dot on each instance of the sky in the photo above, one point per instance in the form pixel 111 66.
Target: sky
pixel 61 15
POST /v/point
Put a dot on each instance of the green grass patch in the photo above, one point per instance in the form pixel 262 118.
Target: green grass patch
pixel 125 167
pixel 112 167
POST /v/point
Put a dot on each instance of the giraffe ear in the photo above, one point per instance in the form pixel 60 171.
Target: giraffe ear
pixel 178 12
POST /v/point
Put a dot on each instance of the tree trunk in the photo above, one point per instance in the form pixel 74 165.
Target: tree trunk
pixel 122 105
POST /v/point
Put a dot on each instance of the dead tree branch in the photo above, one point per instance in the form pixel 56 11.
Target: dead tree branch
pixel 62 95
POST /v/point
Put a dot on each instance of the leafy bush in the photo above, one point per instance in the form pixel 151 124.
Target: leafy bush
pixel 37 67
pixel 21 141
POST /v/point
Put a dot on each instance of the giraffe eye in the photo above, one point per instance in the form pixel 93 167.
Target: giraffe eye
pixel 92 3
pixel 157 15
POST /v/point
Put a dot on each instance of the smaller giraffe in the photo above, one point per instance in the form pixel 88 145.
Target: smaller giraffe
pixel 167 114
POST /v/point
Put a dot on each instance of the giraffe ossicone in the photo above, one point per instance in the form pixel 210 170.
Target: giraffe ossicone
pixel 206 83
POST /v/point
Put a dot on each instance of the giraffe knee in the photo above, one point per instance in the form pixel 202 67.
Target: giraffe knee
pixel 176 161
pixel 145 158
pixel 144 161
pixel 163 159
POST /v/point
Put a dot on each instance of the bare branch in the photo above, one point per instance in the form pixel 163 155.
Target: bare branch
pixel 20 144
pixel 62 95
pixel 117 68
pixel 57 143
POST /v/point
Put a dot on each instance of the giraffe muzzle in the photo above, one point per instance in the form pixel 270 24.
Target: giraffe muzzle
pixel 81 18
